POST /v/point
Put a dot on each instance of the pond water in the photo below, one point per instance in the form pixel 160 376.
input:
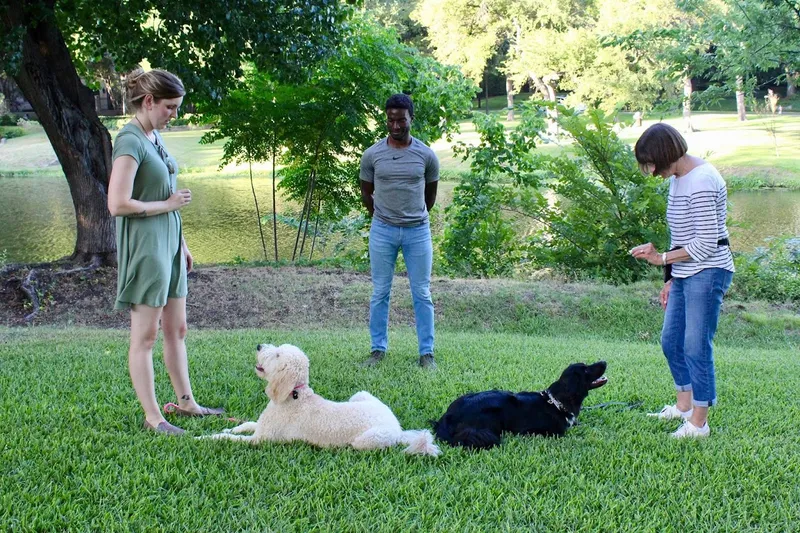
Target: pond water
pixel 37 220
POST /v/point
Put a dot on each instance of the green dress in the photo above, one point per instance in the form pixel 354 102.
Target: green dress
pixel 151 265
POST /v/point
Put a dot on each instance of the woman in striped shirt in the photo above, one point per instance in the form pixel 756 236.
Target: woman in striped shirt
pixel 701 267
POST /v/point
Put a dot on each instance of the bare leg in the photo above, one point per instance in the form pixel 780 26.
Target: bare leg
pixel 699 417
pixel 684 402
pixel 173 324
pixel 144 331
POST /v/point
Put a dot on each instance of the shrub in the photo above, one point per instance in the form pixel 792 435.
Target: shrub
pixel 10 132
pixel 480 238
pixel 769 273
pixel 115 123
pixel 603 205
pixel 8 120
pixel 578 213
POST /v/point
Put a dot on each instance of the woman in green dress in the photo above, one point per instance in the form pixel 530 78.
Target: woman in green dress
pixel 152 256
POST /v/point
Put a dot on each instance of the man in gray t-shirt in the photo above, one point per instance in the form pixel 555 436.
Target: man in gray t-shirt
pixel 399 178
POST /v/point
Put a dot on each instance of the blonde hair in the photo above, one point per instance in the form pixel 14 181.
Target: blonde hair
pixel 160 83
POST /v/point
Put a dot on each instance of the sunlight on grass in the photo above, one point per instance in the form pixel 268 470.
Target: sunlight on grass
pixel 73 456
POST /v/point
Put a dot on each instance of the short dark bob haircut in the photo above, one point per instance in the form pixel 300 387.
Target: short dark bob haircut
pixel 660 145
pixel 400 101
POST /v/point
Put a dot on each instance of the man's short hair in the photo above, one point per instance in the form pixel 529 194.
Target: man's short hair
pixel 400 101
pixel 660 145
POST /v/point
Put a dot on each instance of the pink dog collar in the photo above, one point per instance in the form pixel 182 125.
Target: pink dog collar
pixel 297 388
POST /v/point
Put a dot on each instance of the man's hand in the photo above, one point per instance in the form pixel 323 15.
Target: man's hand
pixel 367 190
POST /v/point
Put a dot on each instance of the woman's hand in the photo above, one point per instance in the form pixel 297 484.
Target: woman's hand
pixel 188 255
pixel 179 199
pixel 663 297
pixel 648 253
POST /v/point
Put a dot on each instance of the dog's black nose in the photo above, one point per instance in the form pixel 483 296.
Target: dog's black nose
pixel 258 347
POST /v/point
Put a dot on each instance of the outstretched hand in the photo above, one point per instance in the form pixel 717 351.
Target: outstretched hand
pixel 647 252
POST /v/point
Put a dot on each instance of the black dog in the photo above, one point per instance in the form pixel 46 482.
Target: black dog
pixel 477 420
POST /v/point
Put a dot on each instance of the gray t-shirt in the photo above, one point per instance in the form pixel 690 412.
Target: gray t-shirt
pixel 400 175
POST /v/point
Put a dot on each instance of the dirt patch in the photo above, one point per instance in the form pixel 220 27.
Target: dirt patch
pixel 220 297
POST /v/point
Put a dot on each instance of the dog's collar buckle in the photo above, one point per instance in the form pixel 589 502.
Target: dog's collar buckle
pixel 558 405
pixel 296 388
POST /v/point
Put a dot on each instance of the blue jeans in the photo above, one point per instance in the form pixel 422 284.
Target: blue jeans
pixel 690 323
pixel 385 241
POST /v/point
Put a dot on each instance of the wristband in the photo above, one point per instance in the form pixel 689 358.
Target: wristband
pixel 664 259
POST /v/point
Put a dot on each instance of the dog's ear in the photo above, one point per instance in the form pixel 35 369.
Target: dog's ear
pixel 281 383
pixel 290 372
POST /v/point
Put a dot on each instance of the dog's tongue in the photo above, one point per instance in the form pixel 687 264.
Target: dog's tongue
pixel 599 382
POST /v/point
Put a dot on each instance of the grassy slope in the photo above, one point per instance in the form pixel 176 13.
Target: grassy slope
pixel 74 458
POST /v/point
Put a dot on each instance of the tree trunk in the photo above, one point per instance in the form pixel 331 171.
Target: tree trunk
pixel 540 86
pixel 510 99
pixel 740 109
pixel 65 108
pixel 258 211
pixel 687 103
pixel 486 88
pixel 791 82
pixel 274 207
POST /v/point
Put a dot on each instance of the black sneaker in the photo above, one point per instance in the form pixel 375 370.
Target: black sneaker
pixel 426 361
pixel 374 358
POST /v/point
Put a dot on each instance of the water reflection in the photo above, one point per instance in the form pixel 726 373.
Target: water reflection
pixel 37 222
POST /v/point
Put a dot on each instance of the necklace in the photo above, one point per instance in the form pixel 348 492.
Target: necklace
pixel 141 126
pixel 162 153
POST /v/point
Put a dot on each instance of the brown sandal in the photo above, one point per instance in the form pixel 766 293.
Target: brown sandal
pixel 164 427
pixel 173 409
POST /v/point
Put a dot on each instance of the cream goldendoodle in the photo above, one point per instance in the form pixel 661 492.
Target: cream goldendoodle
pixel 294 412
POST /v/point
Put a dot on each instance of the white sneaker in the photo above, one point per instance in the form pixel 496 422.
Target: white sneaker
pixel 690 431
pixel 671 412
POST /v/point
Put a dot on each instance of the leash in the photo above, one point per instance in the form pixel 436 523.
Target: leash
pixel 626 405
pixel 172 408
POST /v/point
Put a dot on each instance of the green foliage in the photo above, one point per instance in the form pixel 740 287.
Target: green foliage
pixel 769 273
pixel 254 118
pixel 205 47
pixel 8 120
pixel 603 205
pixel 318 130
pixel 479 239
pixel 584 210
pixel 115 123
pixel 11 132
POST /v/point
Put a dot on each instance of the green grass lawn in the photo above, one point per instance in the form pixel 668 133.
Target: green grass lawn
pixel 72 456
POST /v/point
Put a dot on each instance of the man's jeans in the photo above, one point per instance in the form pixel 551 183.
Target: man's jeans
pixel 690 323
pixel 385 241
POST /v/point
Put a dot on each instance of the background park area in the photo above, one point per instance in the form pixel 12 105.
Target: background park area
pixel 539 201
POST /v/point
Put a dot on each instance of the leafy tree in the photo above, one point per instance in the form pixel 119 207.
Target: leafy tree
pixel 320 129
pixel 747 37
pixel 255 120
pixel 396 14
pixel 46 45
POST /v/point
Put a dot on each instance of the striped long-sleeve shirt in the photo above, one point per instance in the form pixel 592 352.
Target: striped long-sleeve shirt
pixel 696 213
